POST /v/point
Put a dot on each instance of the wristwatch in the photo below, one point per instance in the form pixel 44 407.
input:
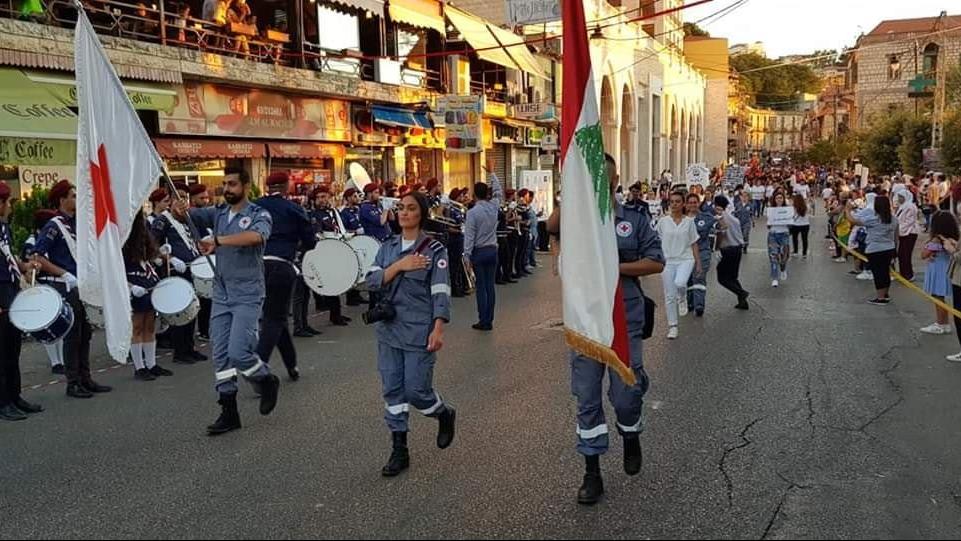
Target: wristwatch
pixel 216 241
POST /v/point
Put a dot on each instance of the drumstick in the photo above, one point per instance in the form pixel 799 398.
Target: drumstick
pixel 194 232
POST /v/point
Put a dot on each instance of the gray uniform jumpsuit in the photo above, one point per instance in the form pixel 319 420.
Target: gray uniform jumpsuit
pixel 406 367
pixel 635 241
pixel 238 298
pixel 706 225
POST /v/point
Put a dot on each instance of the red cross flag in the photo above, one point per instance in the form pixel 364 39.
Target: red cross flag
pixel 117 166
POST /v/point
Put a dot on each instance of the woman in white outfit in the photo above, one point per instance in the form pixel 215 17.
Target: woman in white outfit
pixel 679 241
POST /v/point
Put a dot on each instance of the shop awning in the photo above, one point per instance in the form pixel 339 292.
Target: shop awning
pixel 418 13
pixel 144 96
pixel 26 110
pixel 374 6
pixel 305 150
pixel 475 33
pixel 515 46
pixel 200 148
pixel 401 118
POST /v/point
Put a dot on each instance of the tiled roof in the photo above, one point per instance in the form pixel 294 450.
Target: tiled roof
pixel 910 26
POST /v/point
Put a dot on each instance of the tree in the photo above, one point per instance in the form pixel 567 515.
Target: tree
pixel 692 29
pixel 772 83
pixel 915 137
pixel 953 89
pixel 880 144
pixel 951 144
pixel 21 222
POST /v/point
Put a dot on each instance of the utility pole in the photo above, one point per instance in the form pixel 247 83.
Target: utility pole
pixel 940 91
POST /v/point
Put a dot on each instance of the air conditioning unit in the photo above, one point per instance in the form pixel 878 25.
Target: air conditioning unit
pixel 387 71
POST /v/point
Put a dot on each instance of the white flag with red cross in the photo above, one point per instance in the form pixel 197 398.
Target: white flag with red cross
pixel 117 166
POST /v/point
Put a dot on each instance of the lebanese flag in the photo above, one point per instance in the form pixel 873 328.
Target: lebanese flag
pixel 117 166
pixel 595 321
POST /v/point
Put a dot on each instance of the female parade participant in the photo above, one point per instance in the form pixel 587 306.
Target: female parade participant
pixel 139 252
pixel 706 223
pixel 411 273
pixel 801 226
pixel 679 242
pixel 778 243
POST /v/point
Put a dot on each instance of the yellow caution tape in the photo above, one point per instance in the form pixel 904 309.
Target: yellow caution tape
pixel 903 281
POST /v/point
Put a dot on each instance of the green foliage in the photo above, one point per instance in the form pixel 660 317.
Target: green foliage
pixel 21 222
pixel 915 137
pixel 832 152
pixel 951 144
pixel 255 192
pixel 880 143
pixel 774 86
pixel 953 88
pixel 692 29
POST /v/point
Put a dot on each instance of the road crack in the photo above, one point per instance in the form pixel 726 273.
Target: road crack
pixel 791 486
pixel 721 465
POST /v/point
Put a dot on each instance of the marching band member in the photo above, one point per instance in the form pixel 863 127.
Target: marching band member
pixel 373 218
pixel 350 217
pixel 706 222
pixel 56 252
pixel 12 406
pixel 639 251
pixel 524 233
pixel 139 252
pixel 239 234
pixel 160 202
pixel 512 222
pixel 324 219
pixel 290 232
pixel 40 219
pixel 200 199
pixel 412 272
pixel 172 229
pixel 455 245
pixel 481 239
pixel 433 188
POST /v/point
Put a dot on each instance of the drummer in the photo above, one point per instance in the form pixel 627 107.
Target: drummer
pixel 12 406
pixel 40 219
pixel 56 252
pixel 139 252
pixel 291 232
pixel 350 217
pixel 160 202
pixel 199 199
pixel 171 229
pixel 324 220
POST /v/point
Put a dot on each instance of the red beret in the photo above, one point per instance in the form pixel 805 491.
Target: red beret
pixel 42 216
pixel 371 187
pixel 58 192
pixel 404 190
pixel 432 183
pixel 157 195
pixel 389 185
pixel 182 187
pixel 349 192
pixel 416 186
pixel 4 191
pixel 197 189
pixel 522 192
pixel 454 194
pixel 277 177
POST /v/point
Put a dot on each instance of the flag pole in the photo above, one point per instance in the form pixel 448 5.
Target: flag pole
pixel 194 232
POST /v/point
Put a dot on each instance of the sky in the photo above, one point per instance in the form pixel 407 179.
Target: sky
pixel 803 26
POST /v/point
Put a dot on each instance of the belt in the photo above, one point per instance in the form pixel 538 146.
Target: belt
pixel 282 260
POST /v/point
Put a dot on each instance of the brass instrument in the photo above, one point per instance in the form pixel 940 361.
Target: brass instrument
pixel 440 213
pixel 469 273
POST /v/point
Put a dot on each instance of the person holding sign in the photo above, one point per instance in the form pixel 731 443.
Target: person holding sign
pixel 779 219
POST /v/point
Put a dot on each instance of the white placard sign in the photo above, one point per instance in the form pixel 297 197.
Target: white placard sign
pixel 521 12
pixel 780 216
pixel 857 169
pixel 542 184
pixel 865 172
pixel 698 173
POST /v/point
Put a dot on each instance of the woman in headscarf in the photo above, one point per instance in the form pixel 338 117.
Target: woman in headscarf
pixel 908 230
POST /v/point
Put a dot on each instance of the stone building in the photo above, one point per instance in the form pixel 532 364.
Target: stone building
pixel 710 56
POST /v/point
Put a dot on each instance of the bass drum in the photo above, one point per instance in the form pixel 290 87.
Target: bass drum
pixel 366 248
pixel 42 313
pixel 331 268
pixel 174 299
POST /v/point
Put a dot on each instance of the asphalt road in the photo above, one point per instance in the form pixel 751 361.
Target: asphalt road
pixel 813 415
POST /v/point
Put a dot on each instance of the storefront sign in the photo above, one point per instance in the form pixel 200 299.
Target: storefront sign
pixel 495 109
pixel 463 118
pixel 23 151
pixel 43 176
pixel 521 12
pixel 507 134
pixel 308 151
pixel 550 143
pixel 200 148
pixel 224 111
pixel 368 132
pixel 543 112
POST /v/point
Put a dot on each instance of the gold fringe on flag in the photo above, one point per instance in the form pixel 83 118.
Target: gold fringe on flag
pixel 600 353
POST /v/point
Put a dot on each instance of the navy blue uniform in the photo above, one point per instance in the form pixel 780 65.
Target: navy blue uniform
pixel 636 240
pixel 370 216
pixel 324 220
pixel 351 218
pixel 706 224
pixel 10 336
pixel 166 229
pixel 141 274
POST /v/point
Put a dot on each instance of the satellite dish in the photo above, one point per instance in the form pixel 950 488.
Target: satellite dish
pixel 359 176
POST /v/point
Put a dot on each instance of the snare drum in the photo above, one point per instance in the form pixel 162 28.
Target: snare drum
pixel 203 275
pixel 174 299
pixel 41 312
pixel 366 248
pixel 331 268
pixel 94 315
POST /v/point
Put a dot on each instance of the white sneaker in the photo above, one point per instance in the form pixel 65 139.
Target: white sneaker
pixel 775 283
pixel 947 328
pixel 794 255
pixel 682 307
pixel 783 275
pixel 935 328
pixel 865 275
pixel 956 358
pixel 840 260
pixel 672 333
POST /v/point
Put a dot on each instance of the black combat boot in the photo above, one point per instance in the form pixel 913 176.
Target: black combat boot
pixel 445 427
pixel 593 487
pixel 399 456
pixel 229 416
pixel 269 389
pixel 632 454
